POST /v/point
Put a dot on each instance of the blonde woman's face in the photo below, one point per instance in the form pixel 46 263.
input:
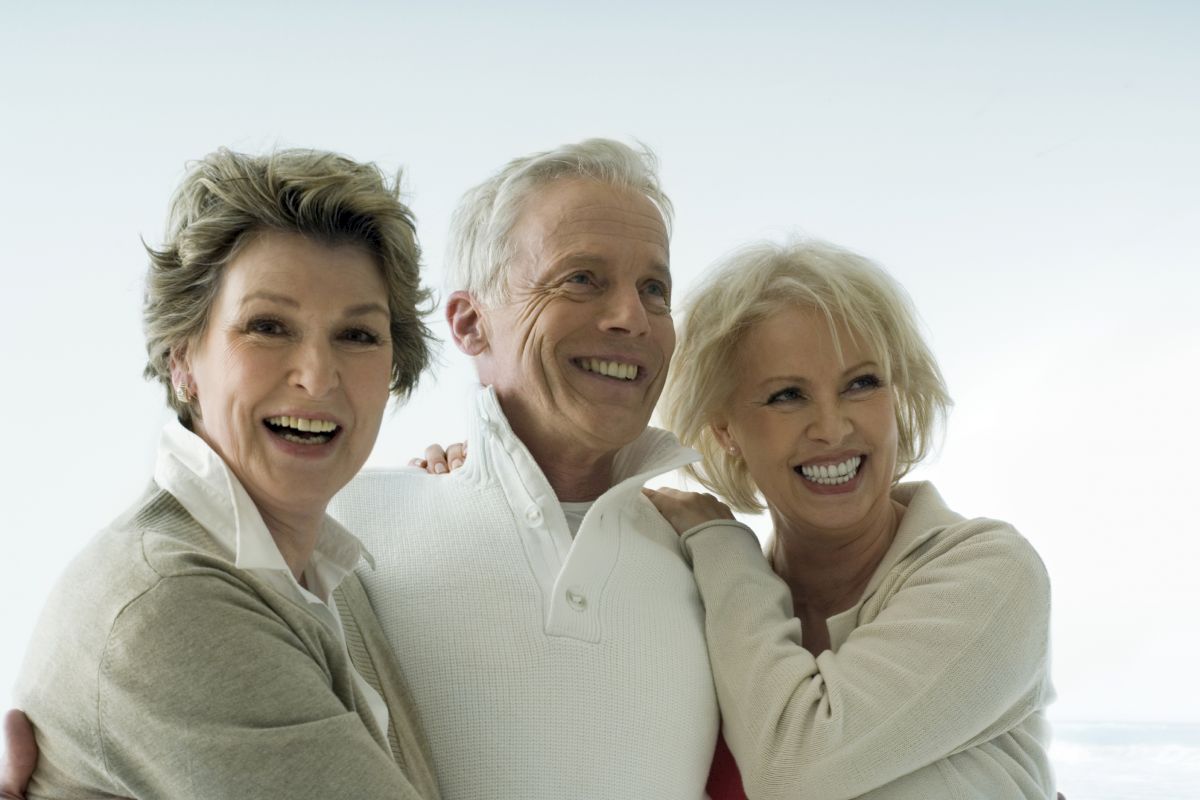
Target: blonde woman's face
pixel 817 430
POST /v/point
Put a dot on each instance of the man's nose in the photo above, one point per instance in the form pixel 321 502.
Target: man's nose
pixel 625 311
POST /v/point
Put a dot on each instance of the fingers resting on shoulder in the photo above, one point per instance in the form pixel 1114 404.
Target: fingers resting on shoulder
pixel 686 510
pixel 441 461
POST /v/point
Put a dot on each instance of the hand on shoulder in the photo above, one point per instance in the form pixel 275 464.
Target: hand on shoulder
pixel 686 510
pixel 441 461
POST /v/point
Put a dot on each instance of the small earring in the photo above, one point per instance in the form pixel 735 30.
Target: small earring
pixel 182 394
pixel 733 451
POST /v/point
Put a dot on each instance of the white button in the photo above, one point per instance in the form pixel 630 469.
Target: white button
pixel 576 599
pixel 533 514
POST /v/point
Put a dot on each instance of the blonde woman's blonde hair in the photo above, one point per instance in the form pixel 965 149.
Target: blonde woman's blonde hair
pixel 755 283
pixel 226 197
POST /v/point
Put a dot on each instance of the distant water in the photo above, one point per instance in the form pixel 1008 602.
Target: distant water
pixel 1115 761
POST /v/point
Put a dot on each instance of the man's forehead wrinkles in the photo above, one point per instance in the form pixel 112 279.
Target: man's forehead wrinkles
pixel 625 233
pixel 605 211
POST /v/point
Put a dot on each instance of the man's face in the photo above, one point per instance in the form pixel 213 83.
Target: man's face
pixel 578 352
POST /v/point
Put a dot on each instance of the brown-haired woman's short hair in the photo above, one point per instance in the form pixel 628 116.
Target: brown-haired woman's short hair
pixel 226 197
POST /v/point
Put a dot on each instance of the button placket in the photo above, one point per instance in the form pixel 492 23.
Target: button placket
pixel 576 599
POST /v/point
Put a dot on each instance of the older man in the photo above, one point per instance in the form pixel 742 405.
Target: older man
pixel 548 627
pixel 550 632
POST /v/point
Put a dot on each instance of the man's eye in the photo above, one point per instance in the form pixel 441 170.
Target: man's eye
pixel 659 291
pixel 580 278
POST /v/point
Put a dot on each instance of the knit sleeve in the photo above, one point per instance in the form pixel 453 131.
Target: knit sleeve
pixel 205 692
pixel 954 657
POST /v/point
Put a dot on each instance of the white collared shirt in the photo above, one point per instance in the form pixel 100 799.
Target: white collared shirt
pixel 205 486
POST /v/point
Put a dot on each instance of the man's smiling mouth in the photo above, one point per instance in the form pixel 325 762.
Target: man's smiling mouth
pixel 609 369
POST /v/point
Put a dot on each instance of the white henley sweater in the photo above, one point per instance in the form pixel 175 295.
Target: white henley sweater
pixel 541 666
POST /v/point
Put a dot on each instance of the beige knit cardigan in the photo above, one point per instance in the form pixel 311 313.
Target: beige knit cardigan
pixel 159 669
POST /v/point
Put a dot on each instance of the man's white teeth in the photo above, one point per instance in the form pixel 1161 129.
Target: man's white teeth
pixel 302 424
pixel 613 369
pixel 832 474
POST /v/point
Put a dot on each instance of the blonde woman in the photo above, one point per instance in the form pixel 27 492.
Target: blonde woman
pixel 883 645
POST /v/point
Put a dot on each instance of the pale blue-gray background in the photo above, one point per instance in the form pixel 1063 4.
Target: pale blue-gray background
pixel 1027 170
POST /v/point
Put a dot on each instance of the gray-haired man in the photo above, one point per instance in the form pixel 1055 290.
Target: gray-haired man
pixel 549 630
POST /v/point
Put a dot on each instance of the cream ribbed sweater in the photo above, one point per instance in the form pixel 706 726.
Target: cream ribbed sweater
pixel 936 681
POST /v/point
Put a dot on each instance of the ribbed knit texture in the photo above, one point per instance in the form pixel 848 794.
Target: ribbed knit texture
pixel 936 683
pixel 160 670
pixel 372 657
pixel 515 703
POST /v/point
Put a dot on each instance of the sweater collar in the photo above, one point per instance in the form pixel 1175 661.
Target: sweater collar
pixel 652 453
pixel 925 516
pixel 205 486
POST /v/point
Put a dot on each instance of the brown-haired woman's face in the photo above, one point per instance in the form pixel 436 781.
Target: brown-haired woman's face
pixel 291 375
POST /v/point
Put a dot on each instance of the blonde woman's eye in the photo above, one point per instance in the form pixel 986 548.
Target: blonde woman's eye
pixel 785 396
pixel 265 326
pixel 863 382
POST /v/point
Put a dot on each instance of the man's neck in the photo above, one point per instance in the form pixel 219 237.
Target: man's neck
pixel 574 480
pixel 575 471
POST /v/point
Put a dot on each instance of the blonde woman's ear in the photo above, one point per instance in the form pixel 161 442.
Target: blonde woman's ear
pixel 720 430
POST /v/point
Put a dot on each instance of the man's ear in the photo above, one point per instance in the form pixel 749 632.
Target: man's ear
pixel 465 315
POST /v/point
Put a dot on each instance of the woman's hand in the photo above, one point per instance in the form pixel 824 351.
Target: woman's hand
pixel 686 510
pixel 20 755
pixel 441 462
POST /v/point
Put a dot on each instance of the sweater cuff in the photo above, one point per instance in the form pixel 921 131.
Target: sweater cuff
pixel 719 527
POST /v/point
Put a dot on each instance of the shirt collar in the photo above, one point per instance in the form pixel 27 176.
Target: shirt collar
pixel 652 453
pixel 205 486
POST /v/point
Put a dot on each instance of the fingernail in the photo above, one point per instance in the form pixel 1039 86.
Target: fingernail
pixel 456 463
pixel 439 468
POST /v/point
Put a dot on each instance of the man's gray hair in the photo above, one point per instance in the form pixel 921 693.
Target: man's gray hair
pixel 480 249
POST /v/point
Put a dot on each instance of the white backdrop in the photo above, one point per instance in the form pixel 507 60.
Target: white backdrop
pixel 1027 170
